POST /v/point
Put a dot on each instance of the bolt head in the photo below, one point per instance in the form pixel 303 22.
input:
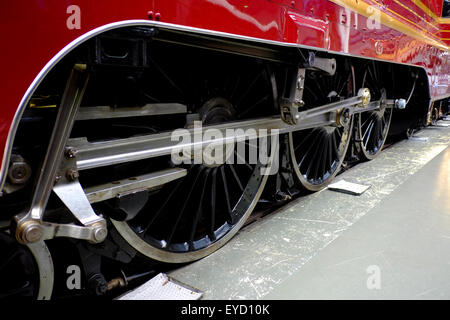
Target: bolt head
pixel 100 233
pixel 30 232
pixel 400 103
pixel 72 174
pixel 19 172
pixel 70 153
pixel 33 234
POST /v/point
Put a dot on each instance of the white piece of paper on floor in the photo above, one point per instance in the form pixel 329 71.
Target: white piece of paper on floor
pixel 162 287
pixel 414 138
pixel 348 187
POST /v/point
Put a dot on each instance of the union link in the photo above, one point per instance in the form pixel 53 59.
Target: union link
pixel 59 174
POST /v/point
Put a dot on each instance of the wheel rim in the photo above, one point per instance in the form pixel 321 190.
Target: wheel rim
pixel 192 217
pixel 373 126
pixel 177 243
pixel 317 153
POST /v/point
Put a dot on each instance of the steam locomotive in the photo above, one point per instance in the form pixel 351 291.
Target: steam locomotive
pixel 93 92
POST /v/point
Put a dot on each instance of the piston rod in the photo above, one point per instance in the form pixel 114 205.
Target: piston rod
pixel 97 154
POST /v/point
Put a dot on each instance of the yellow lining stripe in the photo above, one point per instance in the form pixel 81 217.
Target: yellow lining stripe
pixel 428 11
pixel 441 31
pixel 402 17
pixel 409 9
pixel 415 13
pixel 362 8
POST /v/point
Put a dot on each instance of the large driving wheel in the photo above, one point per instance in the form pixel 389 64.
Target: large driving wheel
pixel 317 153
pixel 193 216
pixel 372 127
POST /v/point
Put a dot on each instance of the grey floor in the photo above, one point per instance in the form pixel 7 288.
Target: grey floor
pixel 392 242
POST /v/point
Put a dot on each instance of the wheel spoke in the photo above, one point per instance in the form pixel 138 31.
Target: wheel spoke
pixel 236 178
pixel 309 148
pixel 329 153
pixel 213 205
pixel 199 210
pixel 335 146
pixel 365 121
pixel 344 83
pixel 227 195
pixel 373 136
pixel 369 128
pixel 325 155
pixel 380 130
pixel 313 157
pixel 302 142
pixel 161 209
pixel 183 208
pixel 318 87
pixel 243 161
pixel 371 75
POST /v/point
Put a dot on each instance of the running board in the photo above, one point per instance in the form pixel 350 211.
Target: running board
pixel 144 182
pixel 106 112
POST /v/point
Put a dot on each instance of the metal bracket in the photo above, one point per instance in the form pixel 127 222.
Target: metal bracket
pixel 324 64
pixel 70 192
pixel 289 107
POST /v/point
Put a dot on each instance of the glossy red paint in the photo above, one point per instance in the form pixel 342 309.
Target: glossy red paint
pixel 34 31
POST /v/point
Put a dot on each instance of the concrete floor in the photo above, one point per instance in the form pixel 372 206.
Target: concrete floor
pixel 392 242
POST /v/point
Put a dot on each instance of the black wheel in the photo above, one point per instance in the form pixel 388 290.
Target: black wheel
pixel 372 127
pixel 317 153
pixel 19 274
pixel 195 215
